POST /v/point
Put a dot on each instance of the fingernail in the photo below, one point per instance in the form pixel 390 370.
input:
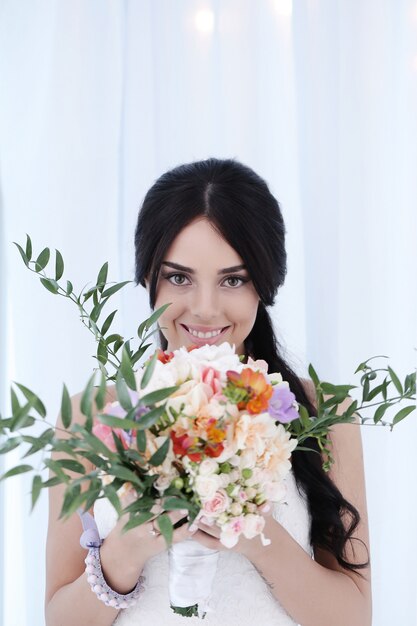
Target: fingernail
pixel 193 528
pixel 183 511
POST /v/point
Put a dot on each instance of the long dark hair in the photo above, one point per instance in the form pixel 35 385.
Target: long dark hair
pixel 240 206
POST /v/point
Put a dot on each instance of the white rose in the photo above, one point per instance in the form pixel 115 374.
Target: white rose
pixel 207 467
pixel 206 486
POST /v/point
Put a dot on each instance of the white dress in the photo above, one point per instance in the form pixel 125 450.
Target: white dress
pixel 240 596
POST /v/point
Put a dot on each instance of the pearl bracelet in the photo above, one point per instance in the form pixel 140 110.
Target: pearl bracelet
pixel 102 590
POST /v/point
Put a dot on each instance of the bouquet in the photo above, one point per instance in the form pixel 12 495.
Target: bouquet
pixel 195 429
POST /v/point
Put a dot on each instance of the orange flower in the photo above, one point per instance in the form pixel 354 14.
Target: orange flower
pixel 164 357
pixel 215 435
pixel 257 387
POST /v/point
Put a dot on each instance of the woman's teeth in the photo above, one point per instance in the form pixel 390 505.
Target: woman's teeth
pixel 201 335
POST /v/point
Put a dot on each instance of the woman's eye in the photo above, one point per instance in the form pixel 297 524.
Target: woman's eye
pixel 177 279
pixel 235 281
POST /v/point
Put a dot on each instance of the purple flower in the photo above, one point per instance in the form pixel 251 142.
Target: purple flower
pixel 281 405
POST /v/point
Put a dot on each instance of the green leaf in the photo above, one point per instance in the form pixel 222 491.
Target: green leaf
pixel 139 353
pixel 173 504
pixel 108 322
pixel 157 396
pixel 33 399
pixel 313 375
pixel 141 440
pixel 15 401
pixel 137 520
pixel 102 354
pixel 36 489
pixel 156 315
pixel 125 474
pixel 112 290
pixel 149 369
pixel 69 288
pixel 117 345
pixel 304 416
pixel 165 526
pixel 28 247
pixel 50 284
pixel 102 277
pixel 112 338
pixel 19 469
pixel 59 265
pixel 96 311
pixel 101 394
pixel 42 260
pixel 87 295
pixel 20 418
pixel 117 422
pixel 72 465
pixel 127 370
pixel 111 493
pixel 150 418
pixel 56 468
pixel 122 392
pixel 365 390
pixel 160 455
pixel 403 413
pixel 380 412
pixel 10 444
pixel 396 381
pixel 22 254
pixel 87 397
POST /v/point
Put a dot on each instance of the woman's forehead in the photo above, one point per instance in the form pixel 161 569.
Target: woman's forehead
pixel 200 245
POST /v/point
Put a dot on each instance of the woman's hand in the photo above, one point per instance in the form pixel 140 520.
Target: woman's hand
pixel 123 554
pixel 209 536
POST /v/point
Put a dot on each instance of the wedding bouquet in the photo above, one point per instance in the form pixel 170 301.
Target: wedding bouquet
pixel 218 448
pixel 195 429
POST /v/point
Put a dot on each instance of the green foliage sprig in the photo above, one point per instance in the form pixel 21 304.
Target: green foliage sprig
pixel 78 443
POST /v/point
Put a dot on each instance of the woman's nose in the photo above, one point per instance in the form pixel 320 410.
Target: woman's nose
pixel 204 304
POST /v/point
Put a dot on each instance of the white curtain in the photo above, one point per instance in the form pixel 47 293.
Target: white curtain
pixel 99 98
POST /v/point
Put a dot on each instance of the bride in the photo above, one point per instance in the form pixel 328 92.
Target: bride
pixel 210 239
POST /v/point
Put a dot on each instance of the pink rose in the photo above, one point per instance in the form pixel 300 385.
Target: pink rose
pixel 218 504
pixel 104 433
pixel 211 377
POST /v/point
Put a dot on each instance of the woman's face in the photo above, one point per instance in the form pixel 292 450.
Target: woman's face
pixel 213 298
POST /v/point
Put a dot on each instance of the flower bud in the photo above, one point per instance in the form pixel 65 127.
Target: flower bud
pixel 178 483
pixel 247 472
pixel 236 508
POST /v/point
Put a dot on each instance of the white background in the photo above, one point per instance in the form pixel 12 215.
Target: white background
pixel 99 98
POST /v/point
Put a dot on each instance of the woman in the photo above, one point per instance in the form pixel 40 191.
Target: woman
pixel 210 240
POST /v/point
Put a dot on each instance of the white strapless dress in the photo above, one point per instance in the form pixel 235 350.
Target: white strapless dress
pixel 240 596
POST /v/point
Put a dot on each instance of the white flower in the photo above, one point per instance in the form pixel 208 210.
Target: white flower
pixel 275 378
pixel 207 467
pixel 206 486
pixel 253 525
pixel 248 459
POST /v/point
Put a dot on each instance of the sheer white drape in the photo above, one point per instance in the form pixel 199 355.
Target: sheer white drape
pixel 99 98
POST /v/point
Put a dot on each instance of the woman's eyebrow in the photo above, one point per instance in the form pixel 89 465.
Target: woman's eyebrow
pixel 183 268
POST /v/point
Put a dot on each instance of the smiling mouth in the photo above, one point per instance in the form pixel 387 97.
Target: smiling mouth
pixel 213 334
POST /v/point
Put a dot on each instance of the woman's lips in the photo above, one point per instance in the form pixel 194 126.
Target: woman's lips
pixel 203 340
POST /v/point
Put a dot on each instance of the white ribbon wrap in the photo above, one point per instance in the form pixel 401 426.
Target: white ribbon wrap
pixel 192 568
